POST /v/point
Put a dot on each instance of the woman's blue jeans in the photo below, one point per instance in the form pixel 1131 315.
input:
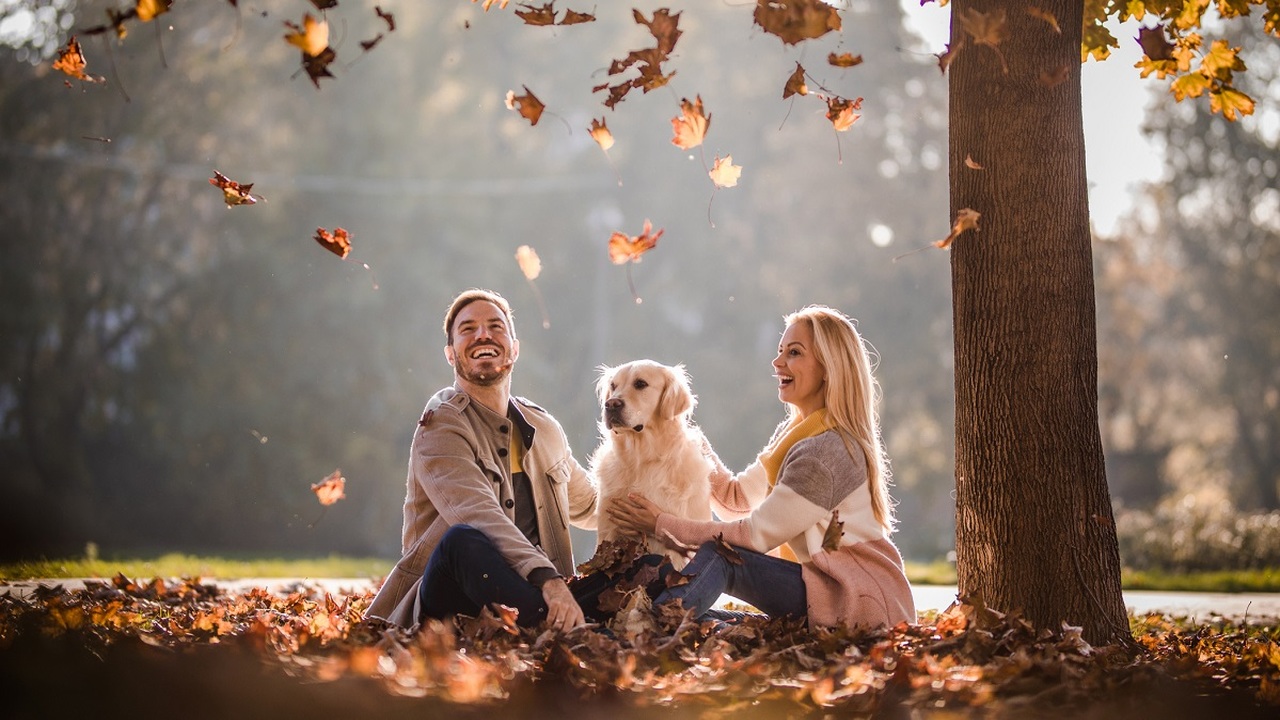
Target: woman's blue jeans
pixel 466 572
pixel 773 585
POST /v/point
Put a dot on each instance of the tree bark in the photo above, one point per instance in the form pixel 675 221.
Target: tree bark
pixel 1034 526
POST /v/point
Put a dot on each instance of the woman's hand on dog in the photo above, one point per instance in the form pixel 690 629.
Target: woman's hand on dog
pixel 635 515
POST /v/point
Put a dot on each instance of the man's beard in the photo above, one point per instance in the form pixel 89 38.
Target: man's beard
pixel 496 370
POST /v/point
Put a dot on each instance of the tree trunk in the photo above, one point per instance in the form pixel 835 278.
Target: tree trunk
pixel 1034 527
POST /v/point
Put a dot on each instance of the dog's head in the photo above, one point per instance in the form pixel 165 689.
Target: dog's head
pixel 642 394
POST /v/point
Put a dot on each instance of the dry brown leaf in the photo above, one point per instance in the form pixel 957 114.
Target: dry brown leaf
pixel 233 193
pixel 331 489
pixel 966 219
pixel 972 164
pixel 795 84
pixel 537 16
pixel 337 242
pixel 844 60
pixel 842 112
pixel 71 61
pixel 795 21
pixel 691 125
pixel 1045 15
pixel 1056 76
pixel 573 17
pixel 528 105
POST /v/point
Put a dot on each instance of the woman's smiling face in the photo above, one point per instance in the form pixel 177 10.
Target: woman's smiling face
pixel 801 378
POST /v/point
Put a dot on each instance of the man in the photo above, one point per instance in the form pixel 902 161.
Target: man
pixel 492 489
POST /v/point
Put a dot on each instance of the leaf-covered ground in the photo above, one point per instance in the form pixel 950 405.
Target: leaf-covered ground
pixel 189 648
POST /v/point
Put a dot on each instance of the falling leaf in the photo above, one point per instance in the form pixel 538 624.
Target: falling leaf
pixel 317 66
pixel 727 551
pixel 324 4
pixel 573 17
pixel 946 57
pixel 624 249
pixel 529 262
pixel 988 29
pixel 312 37
pixel 545 15
pixel 795 21
pixel 691 125
pixel 388 17
pixel 600 133
pixel 844 60
pixel 71 61
pixel 529 106
pixel 1154 45
pixel 834 532
pixel 337 242
pixel 841 112
pixel 331 489
pixel 664 26
pixel 966 219
pixel 724 173
pixel 502 4
pixel 1045 15
pixel 1056 76
pixel 972 164
pixel 233 193
pixel 149 9
pixel 795 84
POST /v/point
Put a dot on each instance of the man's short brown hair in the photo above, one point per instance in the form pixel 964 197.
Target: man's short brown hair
pixel 469 296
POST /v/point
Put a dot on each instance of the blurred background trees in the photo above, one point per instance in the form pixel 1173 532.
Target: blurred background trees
pixel 175 374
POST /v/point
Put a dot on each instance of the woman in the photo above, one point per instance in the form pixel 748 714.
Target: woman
pixel 818 488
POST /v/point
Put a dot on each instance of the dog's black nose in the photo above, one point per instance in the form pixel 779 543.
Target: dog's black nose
pixel 613 404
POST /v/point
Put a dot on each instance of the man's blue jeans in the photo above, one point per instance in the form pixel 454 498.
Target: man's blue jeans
pixel 773 585
pixel 466 572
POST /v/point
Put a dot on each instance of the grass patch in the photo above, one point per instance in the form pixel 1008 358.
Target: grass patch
pixel 1265 580
pixel 180 565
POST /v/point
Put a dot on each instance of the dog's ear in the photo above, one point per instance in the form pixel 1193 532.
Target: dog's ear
pixel 602 385
pixel 677 397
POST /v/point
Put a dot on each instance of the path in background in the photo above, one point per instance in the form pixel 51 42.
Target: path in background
pixel 1255 607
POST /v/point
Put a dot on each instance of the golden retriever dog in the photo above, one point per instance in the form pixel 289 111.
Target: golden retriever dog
pixel 650 446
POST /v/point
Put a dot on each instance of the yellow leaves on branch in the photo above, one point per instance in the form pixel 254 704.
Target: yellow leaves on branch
pixel 691 125
pixel 1214 76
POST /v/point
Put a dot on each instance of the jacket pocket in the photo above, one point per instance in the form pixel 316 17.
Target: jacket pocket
pixel 558 477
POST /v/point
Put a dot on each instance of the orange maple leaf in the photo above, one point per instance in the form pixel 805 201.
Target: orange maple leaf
pixel 337 242
pixel 312 37
pixel 149 9
pixel 600 133
pixel 529 106
pixel 844 60
pixel 331 489
pixel 624 249
pixel 795 84
pixel 664 26
pixel 71 61
pixel 233 193
pixel 724 173
pixel 841 112
pixel 691 125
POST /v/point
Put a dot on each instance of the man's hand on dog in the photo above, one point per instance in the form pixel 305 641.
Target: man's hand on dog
pixel 563 611
pixel 635 515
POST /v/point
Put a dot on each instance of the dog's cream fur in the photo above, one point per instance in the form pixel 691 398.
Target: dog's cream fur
pixel 650 446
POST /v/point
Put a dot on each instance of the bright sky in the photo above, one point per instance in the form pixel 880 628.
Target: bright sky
pixel 1117 156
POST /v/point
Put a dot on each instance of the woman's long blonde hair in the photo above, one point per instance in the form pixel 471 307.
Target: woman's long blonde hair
pixel 851 396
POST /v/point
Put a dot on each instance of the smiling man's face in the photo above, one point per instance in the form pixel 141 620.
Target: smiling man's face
pixel 483 349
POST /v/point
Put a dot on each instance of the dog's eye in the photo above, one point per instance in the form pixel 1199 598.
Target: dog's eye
pixel 613 386
pixel 640 384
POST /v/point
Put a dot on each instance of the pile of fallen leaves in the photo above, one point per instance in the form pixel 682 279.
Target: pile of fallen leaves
pixel 198 639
